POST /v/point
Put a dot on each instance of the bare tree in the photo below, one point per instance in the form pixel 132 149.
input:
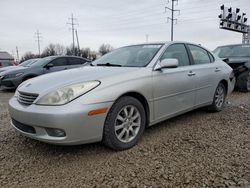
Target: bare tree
pixel 105 48
pixel 27 56
pixel 60 49
pixel 50 50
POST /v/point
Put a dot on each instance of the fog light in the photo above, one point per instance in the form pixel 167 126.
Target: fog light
pixel 55 132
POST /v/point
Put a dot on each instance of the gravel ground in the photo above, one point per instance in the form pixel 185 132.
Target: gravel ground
pixel 198 149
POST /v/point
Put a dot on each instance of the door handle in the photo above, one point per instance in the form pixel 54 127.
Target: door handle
pixel 191 73
pixel 217 69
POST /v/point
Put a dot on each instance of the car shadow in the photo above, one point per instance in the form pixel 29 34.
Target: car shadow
pixel 98 148
pixel 7 90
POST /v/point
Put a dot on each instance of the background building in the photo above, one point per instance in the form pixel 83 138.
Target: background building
pixel 6 59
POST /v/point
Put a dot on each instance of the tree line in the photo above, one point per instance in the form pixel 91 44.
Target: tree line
pixel 61 50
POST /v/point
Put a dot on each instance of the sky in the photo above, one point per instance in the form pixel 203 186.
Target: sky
pixel 116 22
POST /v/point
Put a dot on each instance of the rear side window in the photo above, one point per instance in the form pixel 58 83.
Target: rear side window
pixel 177 51
pixel 59 62
pixel 200 55
pixel 76 61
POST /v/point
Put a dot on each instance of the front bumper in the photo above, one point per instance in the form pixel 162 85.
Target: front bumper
pixel 231 85
pixel 72 118
pixel 11 83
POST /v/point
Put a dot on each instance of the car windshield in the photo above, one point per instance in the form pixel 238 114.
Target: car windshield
pixel 41 62
pixel 131 56
pixel 28 62
pixel 233 51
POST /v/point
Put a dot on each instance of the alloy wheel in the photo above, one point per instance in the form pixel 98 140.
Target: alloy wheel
pixel 127 123
pixel 219 97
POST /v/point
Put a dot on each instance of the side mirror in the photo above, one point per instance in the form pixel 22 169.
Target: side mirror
pixel 48 66
pixel 167 63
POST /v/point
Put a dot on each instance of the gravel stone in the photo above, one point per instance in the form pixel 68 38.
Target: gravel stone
pixel 197 149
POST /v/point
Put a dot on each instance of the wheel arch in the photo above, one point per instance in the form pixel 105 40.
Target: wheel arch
pixel 142 100
pixel 28 76
pixel 225 83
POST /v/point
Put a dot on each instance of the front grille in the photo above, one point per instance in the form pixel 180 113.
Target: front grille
pixel 26 98
pixel 23 127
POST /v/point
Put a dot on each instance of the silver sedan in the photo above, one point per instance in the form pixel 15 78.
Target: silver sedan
pixel 120 94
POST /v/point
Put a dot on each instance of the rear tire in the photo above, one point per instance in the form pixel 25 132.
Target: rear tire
pixel 219 98
pixel 243 82
pixel 125 124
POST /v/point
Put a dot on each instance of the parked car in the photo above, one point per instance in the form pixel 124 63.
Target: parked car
pixel 23 64
pixel 238 57
pixel 6 64
pixel 120 94
pixel 11 79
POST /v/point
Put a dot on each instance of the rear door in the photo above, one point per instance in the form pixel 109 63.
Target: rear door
pixel 174 88
pixel 74 62
pixel 206 72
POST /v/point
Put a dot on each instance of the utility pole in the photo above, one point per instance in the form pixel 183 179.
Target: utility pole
pixel 17 55
pixel 38 35
pixel 72 24
pixel 147 36
pixel 78 45
pixel 246 37
pixel 173 10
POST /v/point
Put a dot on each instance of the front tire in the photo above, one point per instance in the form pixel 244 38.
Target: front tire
pixel 125 124
pixel 243 82
pixel 219 98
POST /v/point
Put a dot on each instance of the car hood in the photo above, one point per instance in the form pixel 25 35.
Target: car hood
pixel 52 81
pixel 15 70
pixel 7 68
pixel 233 60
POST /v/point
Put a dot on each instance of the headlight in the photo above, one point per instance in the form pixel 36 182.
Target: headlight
pixel 67 94
pixel 13 75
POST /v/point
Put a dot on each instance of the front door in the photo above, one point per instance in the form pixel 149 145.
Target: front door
pixel 59 64
pixel 174 88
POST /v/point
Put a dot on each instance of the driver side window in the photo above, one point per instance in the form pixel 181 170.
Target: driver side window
pixel 177 51
pixel 59 62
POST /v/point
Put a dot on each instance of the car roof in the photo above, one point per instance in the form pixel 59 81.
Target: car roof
pixel 59 56
pixel 166 43
pixel 233 45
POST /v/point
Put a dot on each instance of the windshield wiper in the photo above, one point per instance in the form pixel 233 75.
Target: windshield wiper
pixel 109 65
pixel 91 64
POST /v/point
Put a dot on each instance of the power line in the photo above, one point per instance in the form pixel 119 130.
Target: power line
pixel 72 24
pixel 38 35
pixel 172 17
pixel 147 36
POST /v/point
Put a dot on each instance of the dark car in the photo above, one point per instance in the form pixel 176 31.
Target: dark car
pixel 23 64
pixel 11 79
pixel 6 64
pixel 238 57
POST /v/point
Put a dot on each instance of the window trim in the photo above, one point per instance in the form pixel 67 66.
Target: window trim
pixel 193 62
pixel 211 56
